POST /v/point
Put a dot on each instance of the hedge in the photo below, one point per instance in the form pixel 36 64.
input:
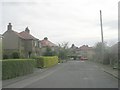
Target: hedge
pixel 46 61
pixel 12 68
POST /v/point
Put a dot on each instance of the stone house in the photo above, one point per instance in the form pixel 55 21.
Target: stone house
pixel 23 43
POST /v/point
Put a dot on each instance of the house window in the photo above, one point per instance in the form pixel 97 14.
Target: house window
pixel 39 45
pixel 53 49
pixel 35 43
pixel 29 54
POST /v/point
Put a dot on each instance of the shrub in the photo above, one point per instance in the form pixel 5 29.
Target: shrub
pixel 46 61
pixel 12 68
pixel 60 61
pixel 49 52
pixel 5 56
pixel 15 55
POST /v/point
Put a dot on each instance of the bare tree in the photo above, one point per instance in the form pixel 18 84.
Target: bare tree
pixel 63 50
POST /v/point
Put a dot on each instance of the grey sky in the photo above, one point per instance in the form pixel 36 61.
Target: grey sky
pixel 73 21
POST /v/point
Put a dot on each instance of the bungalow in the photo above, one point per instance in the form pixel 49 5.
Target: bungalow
pixel 23 43
pixel 46 43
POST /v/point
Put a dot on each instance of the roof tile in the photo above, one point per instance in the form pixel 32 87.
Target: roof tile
pixel 46 43
pixel 26 35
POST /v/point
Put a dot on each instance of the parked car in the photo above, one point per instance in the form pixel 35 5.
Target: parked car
pixel 83 58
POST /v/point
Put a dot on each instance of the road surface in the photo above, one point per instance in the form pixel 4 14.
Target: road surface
pixel 73 74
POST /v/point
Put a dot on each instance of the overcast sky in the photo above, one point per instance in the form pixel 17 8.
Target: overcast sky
pixel 73 21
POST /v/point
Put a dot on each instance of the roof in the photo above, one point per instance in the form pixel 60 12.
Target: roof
pixel 46 42
pixel 85 47
pixel 18 34
pixel 14 33
pixel 26 35
pixel 74 47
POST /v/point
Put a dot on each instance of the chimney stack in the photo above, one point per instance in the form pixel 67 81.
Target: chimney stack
pixel 9 27
pixel 27 30
pixel 45 38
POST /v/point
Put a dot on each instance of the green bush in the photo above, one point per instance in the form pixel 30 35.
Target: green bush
pixel 46 61
pixel 15 55
pixel 49 52
pixel 12 68
pixel 5 56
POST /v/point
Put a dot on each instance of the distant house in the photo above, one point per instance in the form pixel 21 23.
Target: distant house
pixel 74 47
pixel 23 43
pixel 73 50
pixel 86 51
pixel 46 43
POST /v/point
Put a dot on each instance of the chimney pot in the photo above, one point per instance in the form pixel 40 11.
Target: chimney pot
pixel 45 38
pixel 9 26
pixel 27 30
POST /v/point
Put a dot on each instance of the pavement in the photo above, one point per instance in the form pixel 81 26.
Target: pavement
pixel 108 69
pixel 73 74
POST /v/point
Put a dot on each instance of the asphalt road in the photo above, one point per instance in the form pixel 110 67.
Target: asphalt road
pixel 73 74
pixel 77 74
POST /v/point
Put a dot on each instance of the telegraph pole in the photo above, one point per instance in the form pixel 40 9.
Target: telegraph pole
pixel 102 50
pixel 101 26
